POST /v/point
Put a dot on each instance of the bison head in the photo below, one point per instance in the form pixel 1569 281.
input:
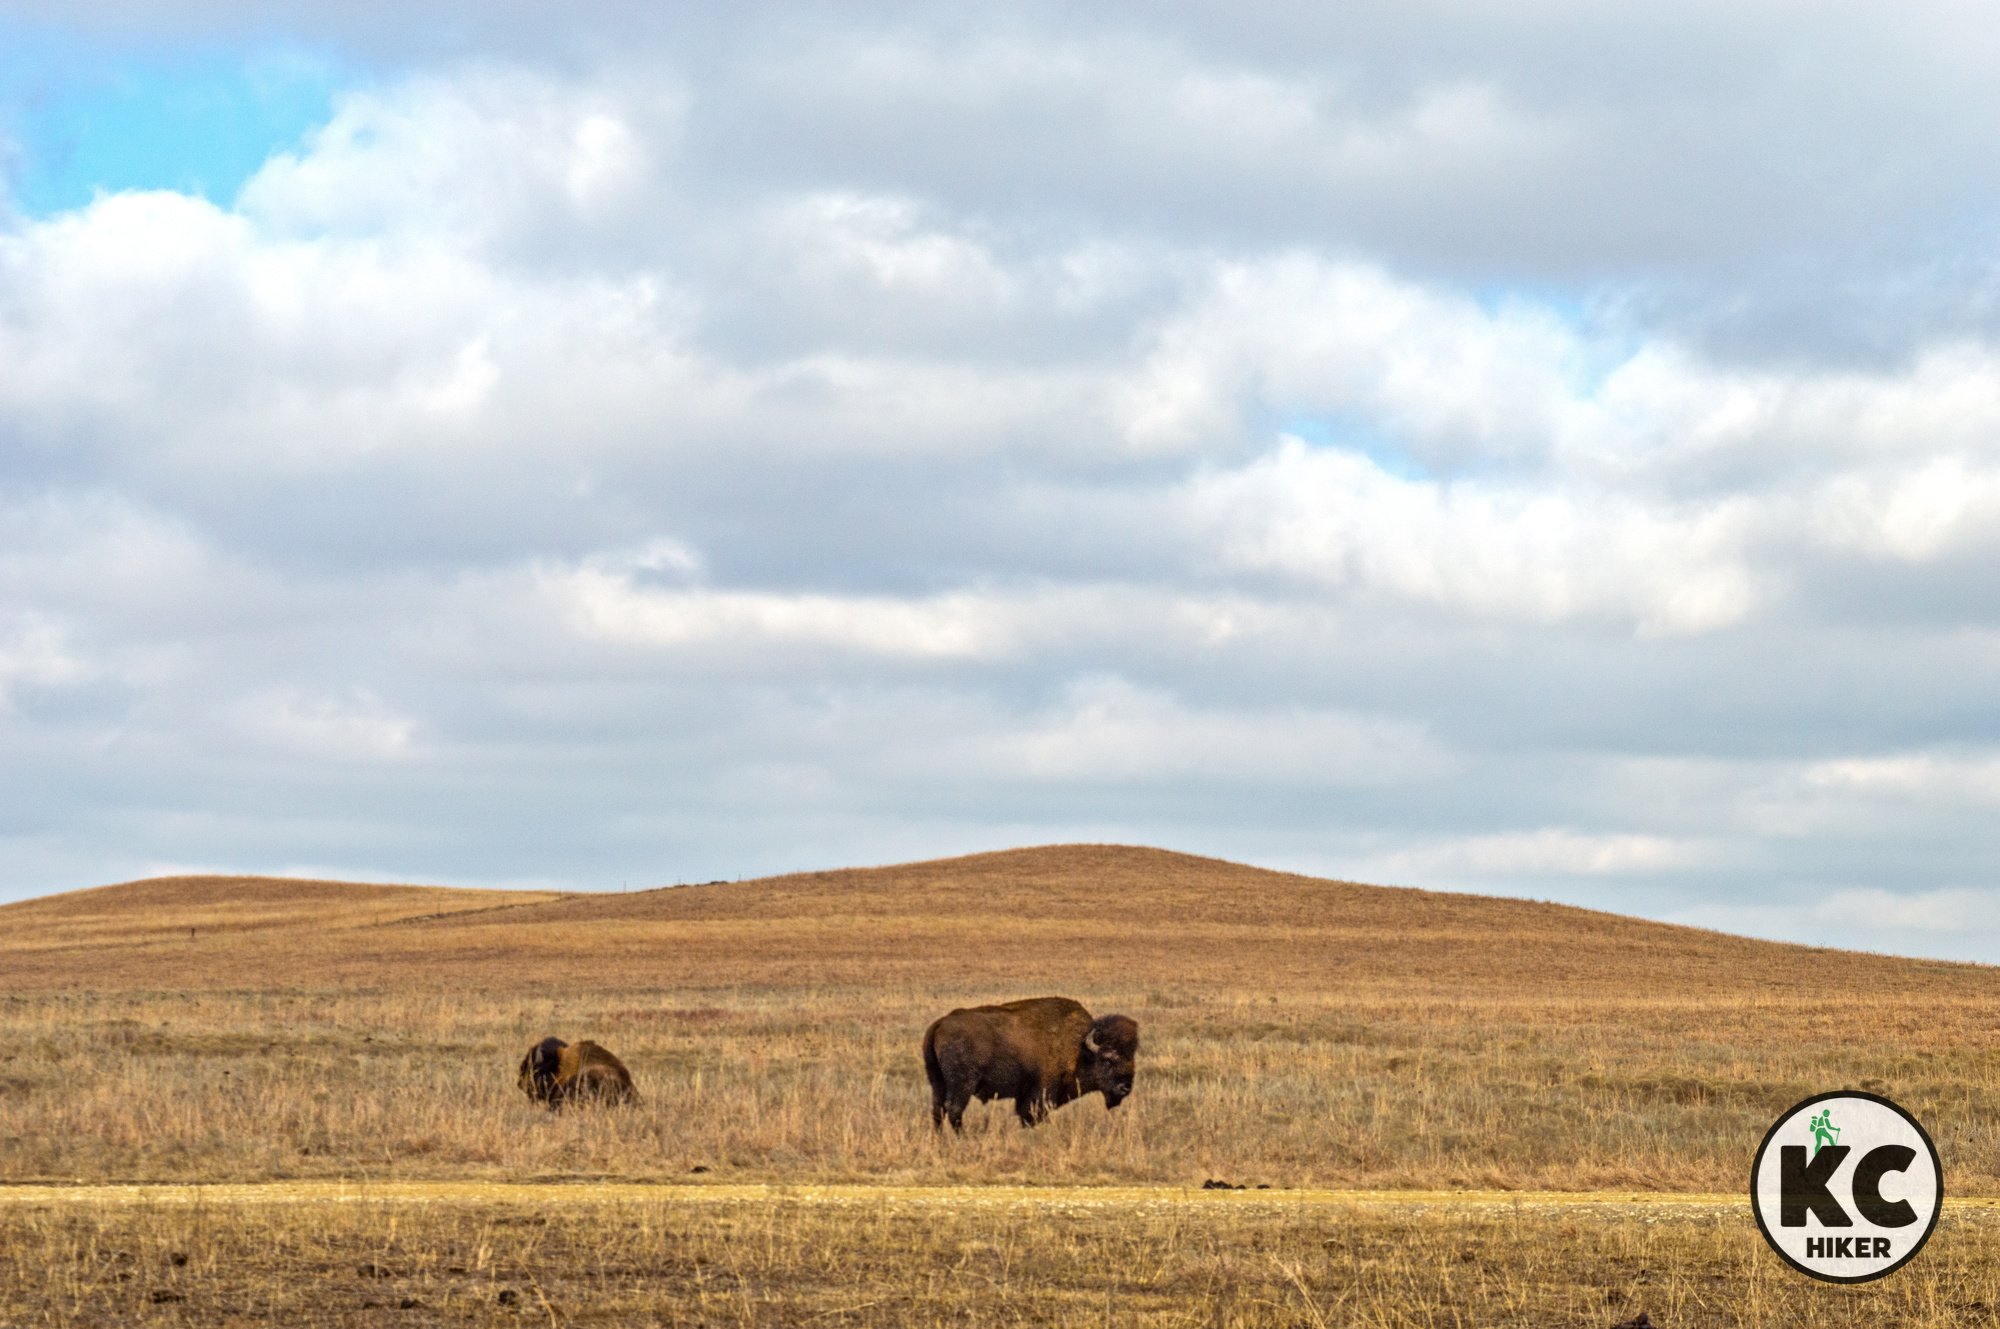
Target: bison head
pixel 540 1067
pixel 1110 1053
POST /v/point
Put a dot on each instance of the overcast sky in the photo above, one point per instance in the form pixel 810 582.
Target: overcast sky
pixel 1540 448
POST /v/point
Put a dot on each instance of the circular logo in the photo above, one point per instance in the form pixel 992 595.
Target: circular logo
pixel 1846 1187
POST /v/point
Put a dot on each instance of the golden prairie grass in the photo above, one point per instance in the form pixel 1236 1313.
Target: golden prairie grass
pixel 897 1263
pixel 1109 919
pixel 1295 1032
pixel 103 921
pixel 1358 1090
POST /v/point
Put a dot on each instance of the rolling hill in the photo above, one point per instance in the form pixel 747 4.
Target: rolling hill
pixel 1096 916
pixel 1295 1030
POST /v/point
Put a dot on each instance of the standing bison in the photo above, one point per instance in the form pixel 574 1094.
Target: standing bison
pixel 556 1073
pixel 1041 1052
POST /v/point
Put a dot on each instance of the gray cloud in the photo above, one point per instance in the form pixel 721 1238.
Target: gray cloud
pixel 633 448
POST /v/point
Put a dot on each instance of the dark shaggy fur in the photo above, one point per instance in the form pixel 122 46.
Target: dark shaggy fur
pixel 557 1073
pixel 1041 1052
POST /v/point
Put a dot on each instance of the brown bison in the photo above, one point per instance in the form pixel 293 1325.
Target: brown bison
pixel 556 1073
pixel 1041 1052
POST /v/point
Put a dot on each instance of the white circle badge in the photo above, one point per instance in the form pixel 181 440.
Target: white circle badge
pixel 1846 1187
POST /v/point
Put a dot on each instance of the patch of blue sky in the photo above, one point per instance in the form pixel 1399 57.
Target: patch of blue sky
pixel 1567 304
pixel 1350 435
pixel 81 117
pixel 1602 343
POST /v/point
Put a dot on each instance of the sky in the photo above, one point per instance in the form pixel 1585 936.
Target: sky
pixel 1548 448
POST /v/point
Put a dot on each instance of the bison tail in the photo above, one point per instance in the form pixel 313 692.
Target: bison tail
pixel 931 1066
pixel 934 1071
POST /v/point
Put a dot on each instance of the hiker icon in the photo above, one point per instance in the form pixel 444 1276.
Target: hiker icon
pixel 1824 1131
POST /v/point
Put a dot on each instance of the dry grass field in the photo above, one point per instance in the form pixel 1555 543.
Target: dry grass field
pixel 1065 1258
pixel 1296 1033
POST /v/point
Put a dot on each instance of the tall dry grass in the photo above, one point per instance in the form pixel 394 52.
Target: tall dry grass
pixel 827 1084
pixel 1294 1031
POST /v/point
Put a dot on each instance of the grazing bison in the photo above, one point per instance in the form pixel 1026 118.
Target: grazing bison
pixel 555 1073
pixel 1041 1052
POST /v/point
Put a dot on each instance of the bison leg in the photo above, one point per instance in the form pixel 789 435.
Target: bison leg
pixel 954 1109
pixel 1032 1109
pixel 948 1104
pixel 948 1109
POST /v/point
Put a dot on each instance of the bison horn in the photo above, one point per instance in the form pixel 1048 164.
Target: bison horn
pixel 1090 1040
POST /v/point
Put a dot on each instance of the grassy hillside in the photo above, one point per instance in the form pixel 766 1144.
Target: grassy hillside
pixel 1102 916
pixel 118 927
pixel 1295 1031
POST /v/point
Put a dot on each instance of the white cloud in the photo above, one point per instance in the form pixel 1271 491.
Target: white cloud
pixel 33 653
pixel 1298 336
pixel 1515 856
pixel 100 559
pixel 353 727
pixel 1947 910
pixel 1958 921
pixel 686 440
pixel 1912 514
pixel 1130 119
pixel 1509 550
pixel 501 157
pixel 611 608
pixel 1107 729
pixel 1926 778
pixel 165 329
pixel 1665 418
pixel 883 242
pixel 660 556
